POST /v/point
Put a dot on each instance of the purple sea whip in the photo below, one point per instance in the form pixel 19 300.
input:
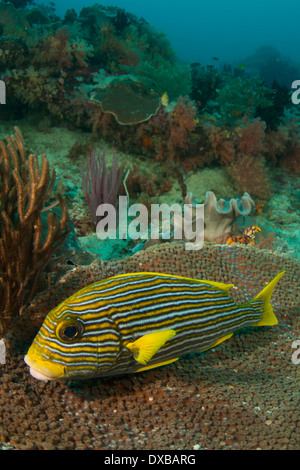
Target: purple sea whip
pixel 100 185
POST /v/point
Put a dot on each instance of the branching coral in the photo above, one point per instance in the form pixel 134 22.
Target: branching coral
pixel 25 248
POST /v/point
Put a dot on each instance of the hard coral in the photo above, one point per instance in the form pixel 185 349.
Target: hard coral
pixel 129 102
pixel 241 395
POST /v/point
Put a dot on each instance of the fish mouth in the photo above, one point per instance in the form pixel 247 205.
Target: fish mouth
pixel 44 370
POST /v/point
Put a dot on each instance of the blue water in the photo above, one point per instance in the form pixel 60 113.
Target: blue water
pixel 230 30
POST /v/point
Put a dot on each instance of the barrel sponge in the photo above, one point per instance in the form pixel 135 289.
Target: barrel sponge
pixel 219 215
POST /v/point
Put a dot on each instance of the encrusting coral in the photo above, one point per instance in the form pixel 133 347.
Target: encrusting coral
pixel 129 102
pixel 25 248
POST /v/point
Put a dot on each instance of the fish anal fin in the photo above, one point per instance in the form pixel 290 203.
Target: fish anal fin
pixel 220 340
pixel 144 348
pixel 164 363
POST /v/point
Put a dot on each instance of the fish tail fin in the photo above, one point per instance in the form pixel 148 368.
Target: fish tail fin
pixel 268 317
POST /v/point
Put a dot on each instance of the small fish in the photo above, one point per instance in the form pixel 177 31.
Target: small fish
pixel 165 99
pixel 215 58
pixel 247 237
pixel 134 322
pixel 241 67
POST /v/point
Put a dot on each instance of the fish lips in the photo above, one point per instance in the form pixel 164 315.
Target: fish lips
pixel 43 370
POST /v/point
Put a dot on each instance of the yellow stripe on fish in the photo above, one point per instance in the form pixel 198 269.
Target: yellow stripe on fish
pixel 135 322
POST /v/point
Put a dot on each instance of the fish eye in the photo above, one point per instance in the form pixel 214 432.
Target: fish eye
pixel 70 331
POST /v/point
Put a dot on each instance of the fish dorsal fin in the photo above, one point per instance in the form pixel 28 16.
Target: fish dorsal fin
pixel 144 348
pixel 219 285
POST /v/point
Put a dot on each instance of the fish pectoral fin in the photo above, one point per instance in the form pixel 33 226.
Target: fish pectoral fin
pixel 144 348
pixel 159 364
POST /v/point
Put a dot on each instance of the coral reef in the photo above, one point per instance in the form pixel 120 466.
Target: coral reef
pixel 103 78
pixel 105 60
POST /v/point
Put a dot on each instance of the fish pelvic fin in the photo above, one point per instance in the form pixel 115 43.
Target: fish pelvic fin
pixel 144 348
pixel 268 318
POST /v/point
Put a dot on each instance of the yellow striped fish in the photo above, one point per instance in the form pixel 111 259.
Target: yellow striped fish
pixel 134 322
